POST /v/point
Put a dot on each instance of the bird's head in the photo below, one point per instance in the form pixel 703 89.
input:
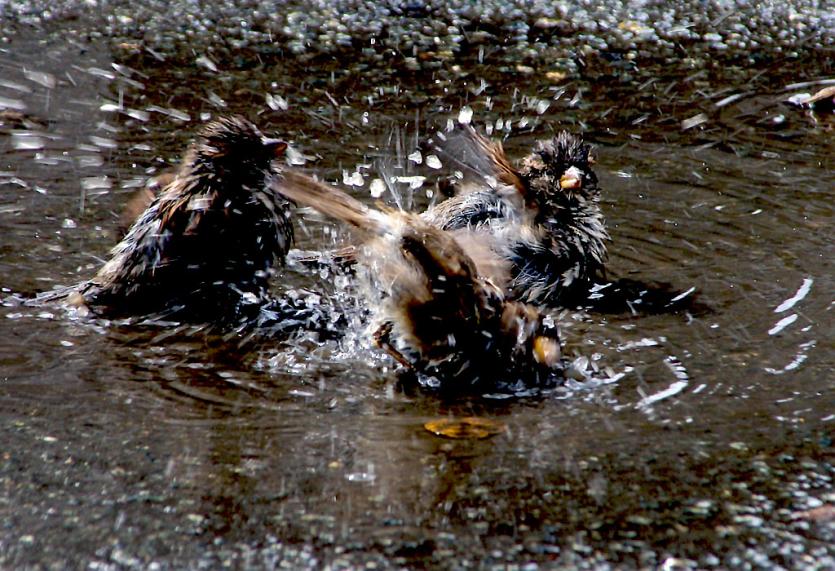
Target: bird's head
pixel 236 146
pixel 559 172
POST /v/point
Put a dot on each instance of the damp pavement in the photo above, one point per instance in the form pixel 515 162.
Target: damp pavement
pixel 695 440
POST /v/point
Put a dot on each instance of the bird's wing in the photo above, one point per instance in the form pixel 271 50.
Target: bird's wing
pixel 479 157
pixel 332 202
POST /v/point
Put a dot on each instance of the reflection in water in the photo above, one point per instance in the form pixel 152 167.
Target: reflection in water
pixel 702 437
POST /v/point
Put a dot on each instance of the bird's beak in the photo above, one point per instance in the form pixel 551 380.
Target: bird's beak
pixel 277 146
pixel 546 351
pixel 571 179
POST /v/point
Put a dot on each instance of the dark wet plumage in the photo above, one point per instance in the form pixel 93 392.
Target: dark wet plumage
pixel 439 315
pixel 204 248
pixel 543 217
pixel 140 200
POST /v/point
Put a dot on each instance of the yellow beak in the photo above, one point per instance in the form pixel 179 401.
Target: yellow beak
pixel 546 350
pixel 570 181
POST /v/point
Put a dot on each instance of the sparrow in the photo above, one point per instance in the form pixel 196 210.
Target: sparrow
pixel 438 311
pixel 205 245
pixel 543 217
pixel 541 220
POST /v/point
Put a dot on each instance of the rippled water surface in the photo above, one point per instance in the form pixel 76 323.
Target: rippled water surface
pixel 704 438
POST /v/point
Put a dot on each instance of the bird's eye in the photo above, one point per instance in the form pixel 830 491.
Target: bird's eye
pixel 275 147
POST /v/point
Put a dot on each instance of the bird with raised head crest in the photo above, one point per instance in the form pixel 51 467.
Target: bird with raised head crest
pixel 208 240
pixel 438 311
pixel 543 218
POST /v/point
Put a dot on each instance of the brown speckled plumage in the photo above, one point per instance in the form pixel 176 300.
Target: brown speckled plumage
pixel 208 240
pixel 438 314
pixel 543 217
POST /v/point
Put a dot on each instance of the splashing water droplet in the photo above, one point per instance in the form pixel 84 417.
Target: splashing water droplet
pixel 413 181
pixel 216 100
pixel 294 157
pixel 207 63
pixel 378 187
pixel 109 107
pixel 353 179
pixel 96 184
pixel 170 112
pixel 8 103
pixel 137 114
pixel 277 102
pixel 41 78
pixel 27 142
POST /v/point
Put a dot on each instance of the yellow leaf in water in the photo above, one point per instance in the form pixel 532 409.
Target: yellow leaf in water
pixel 556 76
pixel 470 427
pixel 632 26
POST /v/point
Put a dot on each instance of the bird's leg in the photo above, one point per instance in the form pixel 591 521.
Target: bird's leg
pixel 382 336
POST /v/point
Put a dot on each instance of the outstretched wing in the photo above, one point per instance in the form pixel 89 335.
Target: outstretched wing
pixel 479 158
pixel 332 202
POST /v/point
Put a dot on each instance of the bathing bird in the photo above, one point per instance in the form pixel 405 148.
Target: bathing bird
pixel 542 218
pixel 437 310
pixel 204 247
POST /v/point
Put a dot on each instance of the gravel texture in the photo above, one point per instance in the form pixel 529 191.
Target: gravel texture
pixel 436 30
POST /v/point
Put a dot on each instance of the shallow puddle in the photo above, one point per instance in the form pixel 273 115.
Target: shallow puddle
pixel 701 438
